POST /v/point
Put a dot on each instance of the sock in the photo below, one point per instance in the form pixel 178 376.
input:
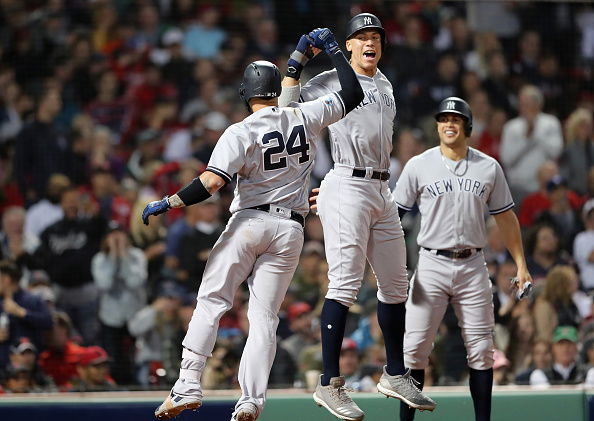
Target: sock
pixel 481 386
pixel 192 365
pixel 406 413
pixel 391 321
pixel 333 321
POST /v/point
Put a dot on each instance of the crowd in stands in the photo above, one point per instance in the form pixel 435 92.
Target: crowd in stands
pixel 106 105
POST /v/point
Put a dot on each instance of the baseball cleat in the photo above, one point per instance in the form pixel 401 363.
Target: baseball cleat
pixel 335 399
pixel 175 404
pixel 404 387
pixel 246 412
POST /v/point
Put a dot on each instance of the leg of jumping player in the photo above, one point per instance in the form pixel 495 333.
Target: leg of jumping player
pixel 230 263
pixel 427 302
pixel 346 232
pixel 386 252
pixel 268 285
pixel 473 303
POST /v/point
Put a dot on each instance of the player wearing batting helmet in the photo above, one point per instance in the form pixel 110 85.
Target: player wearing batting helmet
pixel 359 216
pixel 453 186
pixel 272 153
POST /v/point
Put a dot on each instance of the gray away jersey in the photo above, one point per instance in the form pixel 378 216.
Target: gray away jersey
pixel 364 137
pixel 272 153
pixel 453 206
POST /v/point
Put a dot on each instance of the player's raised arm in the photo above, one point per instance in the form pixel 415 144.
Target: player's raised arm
pixel 198 190
pixel 351 91
pixel 304 51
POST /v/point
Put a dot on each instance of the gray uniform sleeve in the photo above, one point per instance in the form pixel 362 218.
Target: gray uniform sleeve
pixel 315 88
pixel 500 199
pixel 406 191
pixel 229 154
pixel 289 94
pixel 322 112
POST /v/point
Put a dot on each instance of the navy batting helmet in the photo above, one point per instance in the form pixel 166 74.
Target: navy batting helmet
pixel 365 21
pixel 455 105
pixel 261 79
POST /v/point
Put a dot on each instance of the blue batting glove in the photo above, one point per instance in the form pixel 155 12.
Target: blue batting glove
pixel 323 38
pixel 300 57
pixel 156 207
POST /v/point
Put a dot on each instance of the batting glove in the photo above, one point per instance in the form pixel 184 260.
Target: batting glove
pixel 323 38
pixel 156 207
pixel 300 57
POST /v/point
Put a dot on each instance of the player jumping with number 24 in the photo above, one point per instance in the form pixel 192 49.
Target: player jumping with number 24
pixel 272 153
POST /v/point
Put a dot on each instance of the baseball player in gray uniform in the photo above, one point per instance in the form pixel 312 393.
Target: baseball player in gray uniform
pixel 359 217
pixel 271 151
pixel 454 186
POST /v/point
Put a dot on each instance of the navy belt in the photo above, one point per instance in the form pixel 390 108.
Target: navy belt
pixel 376 175
pixel 454 254
pixel 294 215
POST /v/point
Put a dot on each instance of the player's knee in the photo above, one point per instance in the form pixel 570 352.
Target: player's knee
pixel 345 297
pixel 480 352
pixel 416 356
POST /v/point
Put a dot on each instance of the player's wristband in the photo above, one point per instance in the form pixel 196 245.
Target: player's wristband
pixel 294 68
pixel 299 57
pixel 193 193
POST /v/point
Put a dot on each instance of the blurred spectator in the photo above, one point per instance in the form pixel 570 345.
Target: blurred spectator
pixel 350 368
pixel 408 144
pixel 204 37
pixel 196 244
pixel 40 148
pixel 528 141
pixel 103 153
pixel 368 333
pixel 66 250
pixel 145 158
pixel 500 18
pixel 419 58
pixel 501 366
pixel 48 210
pixel 481 112
pixel 300 323
pixel 215 124
pixel 535 204
pixel 15 243
pixel 109 108
pixel 495 250
pixel 543 251
pixel 497 81
pixel 11 121
pixel 525 64
pixel 566 368
pixel 24 314
pixel 521 338
pixel 158 331
pixel 540 358
pixel 24 354
pixel 554 306
pixel 93 371
pixel 18 379
pixel 61 354
pixel 222 367
pixel 583 247
pixel 561 213
pixel 306 281
pixel 120 273
pixel 578 155
pixel 149 28
pixel 504 301
pixel 151 240
pixel 105 192
pixel 489 141
pixel 265 43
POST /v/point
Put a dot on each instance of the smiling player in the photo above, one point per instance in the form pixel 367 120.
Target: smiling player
pixel 360 217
